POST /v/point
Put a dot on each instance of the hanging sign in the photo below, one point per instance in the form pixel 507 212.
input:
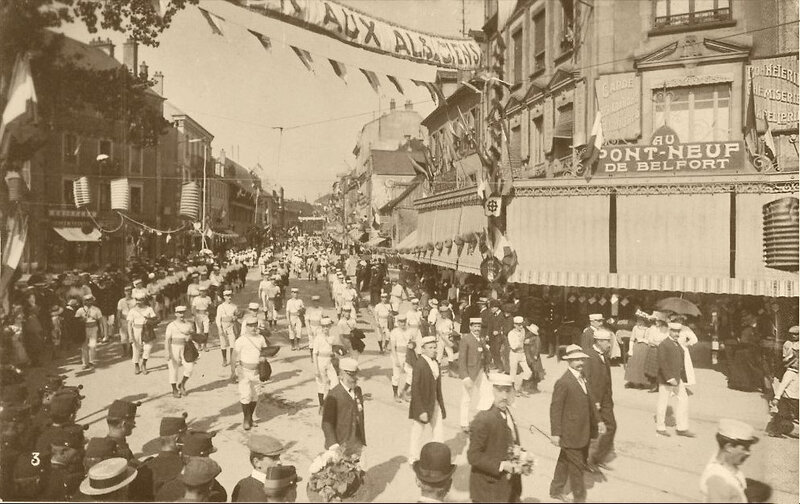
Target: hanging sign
pixel 775 86
pixel 491 269
pixel 619 99
pixel 493 206
pixel 354 27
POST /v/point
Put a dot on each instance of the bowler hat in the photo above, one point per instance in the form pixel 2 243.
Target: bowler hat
pixel 434 464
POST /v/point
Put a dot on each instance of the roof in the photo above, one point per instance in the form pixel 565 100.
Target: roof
pixel 299 207
pixel 395 162
pixel 400 197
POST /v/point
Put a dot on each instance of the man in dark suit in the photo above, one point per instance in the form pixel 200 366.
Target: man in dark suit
pixel 587 336
pixel 494 329
pixel 672 381
pixel 265 453
pixel 597 370
pixel 343 412
pixel 434 472
pixel 492 435
pixel 471 311
pixel 470 370
pixel 552 319
pixel 427 404
pixel 573 423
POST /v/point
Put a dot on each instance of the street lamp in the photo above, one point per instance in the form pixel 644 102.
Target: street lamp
pixel 203 243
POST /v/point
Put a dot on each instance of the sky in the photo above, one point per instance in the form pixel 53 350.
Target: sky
pixel 244 94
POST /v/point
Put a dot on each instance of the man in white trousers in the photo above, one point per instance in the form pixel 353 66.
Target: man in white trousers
pixel 516 355
pixel 476 394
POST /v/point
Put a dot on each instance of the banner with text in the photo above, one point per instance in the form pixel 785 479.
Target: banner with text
pixel 707 158
pixel 775 86
pixel 619 99
pixel 356 28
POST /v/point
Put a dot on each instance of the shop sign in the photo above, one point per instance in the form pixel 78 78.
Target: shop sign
pixel 359 29
pixel 619 99
pixel 666 156
pixel 775 89
pixel 491 269
pixel 493 206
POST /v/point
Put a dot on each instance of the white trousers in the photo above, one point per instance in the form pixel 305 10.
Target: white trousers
pixel 227 337
pixel 478 398
pixel 515 360
pixel 442 348
pixel 177 365
pixel 435 425
pixel 401 372
pixel 269 308
pixel 88 352
pixel 140 350
pixel 201 323
pixel 681 410
pixel 383 330
pixel 123 331
pixel 295 327
pixel 325 375
pixel 248 384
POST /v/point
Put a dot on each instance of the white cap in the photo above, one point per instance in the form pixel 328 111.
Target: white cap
pixel 227 292
pixel 314 298
pixel 295 289
pixel 253 306
pixel 180 309
pixel 596 316
pixel 501 380
pixel 88 297
pixel 348 364
pixel 794 330
pixel 574 352
pixel 401 317
pixel 325 321
pixel 534 329
pixel 347 306
pixel 736 430
pixel 675 326
pixel 518 320
pixel 414 301
pixel 475 320
pixel 434 302
pixel 139 296
pixel 602 334
pixel 428 339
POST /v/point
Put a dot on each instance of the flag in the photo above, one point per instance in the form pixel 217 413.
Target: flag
pixel 265 41
pixel 769 140
pixel 372 78
pixel 426 86
pixel 12 254
pixel 467 84
pixel 396 83
pixel 339 69
pixel 376 219
pixel 420 169
pixel 305 57
pixel 592 152
pixel 750 122
pixel 19 115
pixel 210 20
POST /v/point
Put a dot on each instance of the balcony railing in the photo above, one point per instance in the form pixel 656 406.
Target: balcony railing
pixel 693 18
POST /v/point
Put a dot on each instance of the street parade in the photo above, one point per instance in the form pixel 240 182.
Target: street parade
pixel 559 265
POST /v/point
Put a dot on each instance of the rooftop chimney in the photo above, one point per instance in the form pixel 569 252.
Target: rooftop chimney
pixel 409 105
pixel 392 104
pixel 104 45
pixel 130 55
pixel 143 71
pixel 158 87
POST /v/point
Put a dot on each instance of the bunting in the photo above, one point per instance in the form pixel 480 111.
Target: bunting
pixel 769 140
pixel 19 113
pixel 210 20
pixel 396 83
pixel 372 78
pixel 339 69
pixel 263 39
pixel 305 57
pixel 428 86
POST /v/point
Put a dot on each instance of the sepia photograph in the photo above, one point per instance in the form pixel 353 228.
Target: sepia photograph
pixel 399 251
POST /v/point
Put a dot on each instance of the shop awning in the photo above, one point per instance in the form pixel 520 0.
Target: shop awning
pixel 445 229
pixel 408 242
pixel 374 242
pixel 472 221
pixel 76 234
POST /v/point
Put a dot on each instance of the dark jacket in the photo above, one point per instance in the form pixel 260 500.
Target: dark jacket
pixel 587 338
pixel 470 357
pixel 249 489
pixel 342 420
pixel 174 490
pixel 489 441
pixel 572 414
pixel 670 361
pixel 598 377
pixel 426 391
pixel 471 311
pixel 165 466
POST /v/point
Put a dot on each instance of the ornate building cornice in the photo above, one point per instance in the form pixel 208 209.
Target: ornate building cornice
pixel 760 187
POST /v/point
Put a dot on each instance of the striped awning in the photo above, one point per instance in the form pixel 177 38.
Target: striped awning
pixel 472 221
pixel 445 229
pixel 76 234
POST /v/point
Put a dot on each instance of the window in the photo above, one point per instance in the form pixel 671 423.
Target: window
pixel 697 114
pixel 137 194
pixel 71 148
pixel 516 39
pixel 539 37
pixel 68 197
pixel 105 197
pixel 567 31
pixel 515 148
pixel 104 147
pixel 671 13
pixel 537 141
pixel 135 160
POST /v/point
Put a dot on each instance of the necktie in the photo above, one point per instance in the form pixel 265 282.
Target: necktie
pixel 510 422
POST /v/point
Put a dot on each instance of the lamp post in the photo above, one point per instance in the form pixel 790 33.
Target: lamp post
pixel 203 243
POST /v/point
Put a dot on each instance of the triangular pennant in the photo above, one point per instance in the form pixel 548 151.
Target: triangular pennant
pixel 210 20
pixel 305 57
pixel 265 41
pixel 339 69
pixel 426 86
pixel 372 78
pixel 396 83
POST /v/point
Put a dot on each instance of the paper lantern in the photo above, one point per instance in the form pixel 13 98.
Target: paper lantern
pixel 782 234
pixel 16 185
pixel 120 195
pixel 190 201
pixel 81 192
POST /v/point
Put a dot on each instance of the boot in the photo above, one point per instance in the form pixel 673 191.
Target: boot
pixel 321 399
pixel 182 386
pixel 144 366
pixel 251 411
pixel 247 423
pixel 136 369
pixel 380 346
pixel 224 357
pixel 175 391
pixel 394 390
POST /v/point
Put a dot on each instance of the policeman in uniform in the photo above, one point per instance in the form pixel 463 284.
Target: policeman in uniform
pixel 294 312
pixel 198 477
pixel 167 464
pixel 177 335
pixel 247 351
pixel 121 420
pixel 196 444
pixel 227 313
pixel 65 472
pixel 200 306
pixel 265 454
pixel 63 410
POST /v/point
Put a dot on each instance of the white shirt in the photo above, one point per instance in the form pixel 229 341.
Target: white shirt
pixel 293 306
pixel 382 311
pixel 248 348
pixel 433 365
pixel 581 381
pixel 259 476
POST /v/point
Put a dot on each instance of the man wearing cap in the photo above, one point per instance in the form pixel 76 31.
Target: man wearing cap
pixel 587 336
pixel 138 289
pixel 247 351
pixel 573 424
pixel 383 311
pixel 198 477
pixel 434 471
pixel 138 318
pixel 109 481
pixel 397 295
pixel 492 437
pixel 265 453
pixel 196 445
pixel 121 420
pixel 350 296
pixel 427 404
pixel 177 335
pixel 63 410
pixel 267 290
pixel 167 465
pixel 294 313
pixel 516 356
pixel 433 315
pixel 322 355
pixel 200 306
pixel 227 314
pixel 336 292
pixel 124 306
pixel 313 317
pixel 672 381
pixel 343 412
pixel 65 471
pixel 445 329
pixel 722 479
pixel 414 321
pixel 470 370
pixel 97 450
pixel 399 338
pixel 597 370
pixel 92 319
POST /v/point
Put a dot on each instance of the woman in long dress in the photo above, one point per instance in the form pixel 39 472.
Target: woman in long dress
pixel 637 353
pixel 655 334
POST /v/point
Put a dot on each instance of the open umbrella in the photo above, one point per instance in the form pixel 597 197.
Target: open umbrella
pixel 678 305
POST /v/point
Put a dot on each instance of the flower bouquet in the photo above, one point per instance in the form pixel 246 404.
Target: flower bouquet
pixel 334 476
pixel 522 461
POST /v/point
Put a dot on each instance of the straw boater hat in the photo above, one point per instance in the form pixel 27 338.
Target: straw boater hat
pixel 501 380
pixel 428 339
pixel 108 476
pixel 574 352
